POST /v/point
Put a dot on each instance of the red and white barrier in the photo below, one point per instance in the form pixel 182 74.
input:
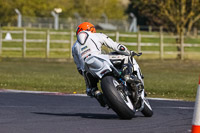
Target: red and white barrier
pixel 196 115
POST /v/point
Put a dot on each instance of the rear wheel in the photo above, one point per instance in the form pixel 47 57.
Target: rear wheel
pixel 116 98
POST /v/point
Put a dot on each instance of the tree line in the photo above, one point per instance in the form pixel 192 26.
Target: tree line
pixel 171 14
pixel 42 8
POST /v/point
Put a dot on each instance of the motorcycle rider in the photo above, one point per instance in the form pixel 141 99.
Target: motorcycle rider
pixel 89 43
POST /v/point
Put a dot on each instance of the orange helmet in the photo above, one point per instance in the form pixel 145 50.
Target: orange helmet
pixel 86 26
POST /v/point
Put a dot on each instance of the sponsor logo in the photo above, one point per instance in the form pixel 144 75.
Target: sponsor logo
pixel 83 48
pixel 84 52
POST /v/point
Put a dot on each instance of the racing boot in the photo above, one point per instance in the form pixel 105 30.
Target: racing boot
pixel 94 92
pixel 89 91
pixel 99 96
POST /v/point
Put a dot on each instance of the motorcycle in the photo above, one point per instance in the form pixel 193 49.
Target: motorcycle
pixel 123 97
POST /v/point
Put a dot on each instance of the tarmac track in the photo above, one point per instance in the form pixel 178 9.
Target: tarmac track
pixel 44 113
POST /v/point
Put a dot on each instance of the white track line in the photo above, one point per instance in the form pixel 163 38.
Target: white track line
pixel 39 92
pixel 67 94
pixel 185 108
pixel 168 99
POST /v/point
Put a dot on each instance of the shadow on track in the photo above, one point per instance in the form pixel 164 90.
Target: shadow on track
pixel 83 115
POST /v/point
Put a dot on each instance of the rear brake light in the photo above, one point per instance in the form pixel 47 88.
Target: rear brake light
pixel 103 72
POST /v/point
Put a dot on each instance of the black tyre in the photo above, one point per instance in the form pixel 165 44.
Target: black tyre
pixel 147 111
pixel 119 102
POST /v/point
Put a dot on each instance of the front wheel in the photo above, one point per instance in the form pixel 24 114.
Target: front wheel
pixel 118 101
pixel 147 110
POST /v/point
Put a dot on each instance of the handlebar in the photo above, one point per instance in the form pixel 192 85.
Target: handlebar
pixel 132 53
pixel 135 54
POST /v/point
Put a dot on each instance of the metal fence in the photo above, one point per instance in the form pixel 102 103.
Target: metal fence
pixel 70 23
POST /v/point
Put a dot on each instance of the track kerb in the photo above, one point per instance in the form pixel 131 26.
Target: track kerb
pixel 196 115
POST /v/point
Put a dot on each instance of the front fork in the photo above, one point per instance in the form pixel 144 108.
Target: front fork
pixel 141 101
pixel 127 90
pixel 138 71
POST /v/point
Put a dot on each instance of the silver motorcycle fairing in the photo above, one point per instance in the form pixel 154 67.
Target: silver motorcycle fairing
pixel 98 65
pixel 137 68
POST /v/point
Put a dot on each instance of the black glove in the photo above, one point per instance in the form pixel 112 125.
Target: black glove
pixel 132 53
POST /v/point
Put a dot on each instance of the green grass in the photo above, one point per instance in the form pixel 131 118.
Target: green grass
pixel 167 79
pixel 37 75
pixel 171 78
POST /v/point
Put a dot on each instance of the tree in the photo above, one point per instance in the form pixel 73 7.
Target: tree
pixel 6 15
pixel 179 13
pixel 95 8
pixel 195 14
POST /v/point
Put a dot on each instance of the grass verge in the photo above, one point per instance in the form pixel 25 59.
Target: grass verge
pixel 166 79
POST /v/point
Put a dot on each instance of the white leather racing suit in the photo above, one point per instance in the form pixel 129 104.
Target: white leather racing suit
pixel 90 44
